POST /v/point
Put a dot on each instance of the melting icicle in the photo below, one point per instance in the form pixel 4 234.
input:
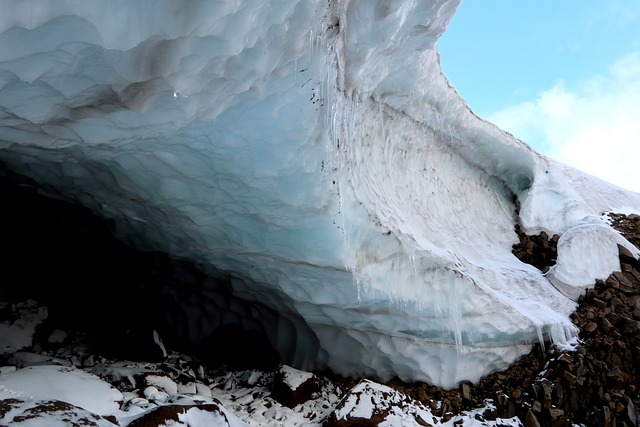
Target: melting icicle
pixel 540 334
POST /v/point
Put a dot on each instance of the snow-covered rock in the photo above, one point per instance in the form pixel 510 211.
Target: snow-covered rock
pixel 369 403
pixel 27 412
pixel 311 154
pixel 210 414
pixel 292 387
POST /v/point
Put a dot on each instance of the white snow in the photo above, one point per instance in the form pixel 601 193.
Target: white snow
pixel 294 378
pixel 315 153
pixel 68 384
pixel 162 382
pixel 195 417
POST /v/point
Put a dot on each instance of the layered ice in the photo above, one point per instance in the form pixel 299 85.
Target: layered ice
pixel 314 155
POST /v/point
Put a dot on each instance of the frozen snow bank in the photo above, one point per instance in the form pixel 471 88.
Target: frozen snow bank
pixel 580 260
pixel 312 154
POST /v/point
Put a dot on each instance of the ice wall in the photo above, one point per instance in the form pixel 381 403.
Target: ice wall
pixel 314 154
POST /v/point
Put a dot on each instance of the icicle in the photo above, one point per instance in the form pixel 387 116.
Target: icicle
pixel 540 334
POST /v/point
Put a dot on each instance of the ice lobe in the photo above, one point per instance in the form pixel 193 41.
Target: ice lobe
pixel 579 261
pixel 313 154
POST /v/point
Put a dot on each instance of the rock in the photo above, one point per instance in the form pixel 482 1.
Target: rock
pixel 635 275
pixel 625 283
pixel 530 420
pixel 564 357
pixel 606 325
pixel 517 393
pixel 466 391
pixel 612 282
pixel 626 256
pixel 569 377
pixel 591 326
pixel 537 407
pixel 30 412
pixel 291 387
pixel 366 405
pixel 630 327
pixel 539 251
pixel 207 414
pixel 159 380
pixel 556 413
pixel 606 413
pixel 632 413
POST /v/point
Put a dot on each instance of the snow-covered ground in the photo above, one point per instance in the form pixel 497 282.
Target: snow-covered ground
pixel 97 391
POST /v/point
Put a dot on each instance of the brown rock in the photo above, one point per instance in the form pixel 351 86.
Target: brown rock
pixel 547 387
pixel 530 420
pixel 626 256
pixel 373 404
pixel 612 282
pixel 292 387
pixel 536 407
pixel 606 325
pixel 606 414
pixel 164 415
pixel 564 357
pixel 466 391
pixel 630 327
pixel 516 393
pixel 591 326
pixel 556 413
pixel 598 302
pixel 634 275
pixel 625 284
pixel 569 377
pixel 632 413
pixel 18 412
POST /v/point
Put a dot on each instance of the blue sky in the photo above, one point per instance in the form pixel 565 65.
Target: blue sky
pixel 564 76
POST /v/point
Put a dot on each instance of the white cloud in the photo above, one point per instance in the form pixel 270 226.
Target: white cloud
pixel 593 125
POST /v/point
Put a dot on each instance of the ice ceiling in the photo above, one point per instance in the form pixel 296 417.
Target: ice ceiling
pixel 313 154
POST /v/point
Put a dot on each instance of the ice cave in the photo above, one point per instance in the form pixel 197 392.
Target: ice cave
pixel 339 198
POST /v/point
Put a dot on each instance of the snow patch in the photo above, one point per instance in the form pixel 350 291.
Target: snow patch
pixel 294 377
pixel 68 384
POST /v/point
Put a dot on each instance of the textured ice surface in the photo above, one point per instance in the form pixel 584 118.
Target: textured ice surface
pixel 314 154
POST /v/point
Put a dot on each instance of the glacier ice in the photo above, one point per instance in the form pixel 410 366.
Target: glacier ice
pixel 314 154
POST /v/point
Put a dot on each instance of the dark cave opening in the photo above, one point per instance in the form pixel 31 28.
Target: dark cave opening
pixel 66 258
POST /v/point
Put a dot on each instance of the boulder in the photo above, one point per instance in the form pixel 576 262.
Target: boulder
pixel 292 387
